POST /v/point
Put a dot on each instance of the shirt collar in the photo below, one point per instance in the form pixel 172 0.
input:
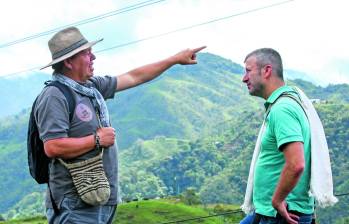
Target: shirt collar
pixel 275 95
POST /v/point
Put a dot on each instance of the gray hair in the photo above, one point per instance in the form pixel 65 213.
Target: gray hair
pixel 266 56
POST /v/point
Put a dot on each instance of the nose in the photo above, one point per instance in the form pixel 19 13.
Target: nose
pixel 93 57
pixel 245 78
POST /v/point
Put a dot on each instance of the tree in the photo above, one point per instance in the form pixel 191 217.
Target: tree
pixel 190 197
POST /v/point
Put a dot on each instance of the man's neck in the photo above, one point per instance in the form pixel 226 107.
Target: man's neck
pixel 274 85
pixel 74 77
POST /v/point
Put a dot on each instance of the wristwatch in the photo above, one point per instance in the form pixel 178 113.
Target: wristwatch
pixel 97 141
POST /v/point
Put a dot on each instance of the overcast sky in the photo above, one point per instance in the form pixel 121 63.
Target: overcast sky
pixel 311 36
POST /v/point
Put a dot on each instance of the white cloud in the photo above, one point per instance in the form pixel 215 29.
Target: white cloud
pixel 309 34
pixel 24 18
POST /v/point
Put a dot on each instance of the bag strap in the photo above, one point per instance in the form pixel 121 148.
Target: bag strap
pixel 82 163
pixel 54 206
pixel 71 107
pixel 288 95
pixel 68 95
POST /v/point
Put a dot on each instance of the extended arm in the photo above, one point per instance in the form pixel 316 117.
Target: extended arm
pixel 148 72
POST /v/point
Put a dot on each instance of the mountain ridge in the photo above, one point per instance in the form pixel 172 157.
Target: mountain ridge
pixel 195 126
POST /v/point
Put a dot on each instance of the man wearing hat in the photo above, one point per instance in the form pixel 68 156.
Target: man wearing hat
pixel 89 130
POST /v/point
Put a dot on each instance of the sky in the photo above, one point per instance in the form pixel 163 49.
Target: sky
pixel 310 35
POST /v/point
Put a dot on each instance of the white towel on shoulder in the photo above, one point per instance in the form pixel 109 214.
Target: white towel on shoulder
pixel 321 185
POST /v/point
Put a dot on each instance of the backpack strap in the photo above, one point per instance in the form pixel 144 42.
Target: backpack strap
pixel 71 107
pixel 297 99
pixel 288 95
pixel 68 95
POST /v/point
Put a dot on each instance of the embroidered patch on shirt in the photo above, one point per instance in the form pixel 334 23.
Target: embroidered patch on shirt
pixel 83 112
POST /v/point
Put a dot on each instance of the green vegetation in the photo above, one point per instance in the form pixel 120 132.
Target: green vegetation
pixel 189 133
pixel 161 211
pixel 33 220
pixel 155 211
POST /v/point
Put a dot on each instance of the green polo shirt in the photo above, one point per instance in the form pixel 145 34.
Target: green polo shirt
pixel 285 123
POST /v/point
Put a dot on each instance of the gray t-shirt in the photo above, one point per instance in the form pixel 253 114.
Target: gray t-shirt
pixel 52 116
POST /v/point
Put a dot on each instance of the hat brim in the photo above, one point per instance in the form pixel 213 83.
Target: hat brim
pixel 77 50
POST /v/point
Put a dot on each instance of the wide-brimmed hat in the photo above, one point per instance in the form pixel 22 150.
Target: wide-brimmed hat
pixel 66 43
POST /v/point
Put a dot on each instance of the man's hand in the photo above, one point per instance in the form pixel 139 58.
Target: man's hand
pixel 188 56
pixel 282 210
pixel 291 172
pixel 106 136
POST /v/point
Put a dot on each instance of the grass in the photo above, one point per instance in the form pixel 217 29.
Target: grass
pixel 158 212
pixel 34 220
pixel 164 211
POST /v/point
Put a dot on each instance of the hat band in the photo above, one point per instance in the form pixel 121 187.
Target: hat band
pixel 69 49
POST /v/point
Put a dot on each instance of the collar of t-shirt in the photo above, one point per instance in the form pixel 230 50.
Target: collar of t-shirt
pixel 276 94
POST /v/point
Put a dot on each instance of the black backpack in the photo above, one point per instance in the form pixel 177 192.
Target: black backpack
pixel 37 159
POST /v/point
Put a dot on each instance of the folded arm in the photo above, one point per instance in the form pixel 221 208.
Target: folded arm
pixel 68 148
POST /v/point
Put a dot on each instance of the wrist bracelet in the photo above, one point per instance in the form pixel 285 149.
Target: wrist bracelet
pixel 97 141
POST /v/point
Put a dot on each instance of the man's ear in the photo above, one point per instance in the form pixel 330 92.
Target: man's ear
pixel 68 64
pixel 267 71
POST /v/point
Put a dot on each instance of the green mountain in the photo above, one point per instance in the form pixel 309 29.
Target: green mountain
pixel 217 165
pixel 194 127
pixel 185 103
pixel 165 107
pixel 18 92
pixel 290 74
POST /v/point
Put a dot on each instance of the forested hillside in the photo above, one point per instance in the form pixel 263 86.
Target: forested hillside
pixel 195 127
pixel 18 92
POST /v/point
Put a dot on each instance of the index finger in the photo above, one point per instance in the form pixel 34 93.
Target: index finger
pixel 294 217
pixel 198 49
